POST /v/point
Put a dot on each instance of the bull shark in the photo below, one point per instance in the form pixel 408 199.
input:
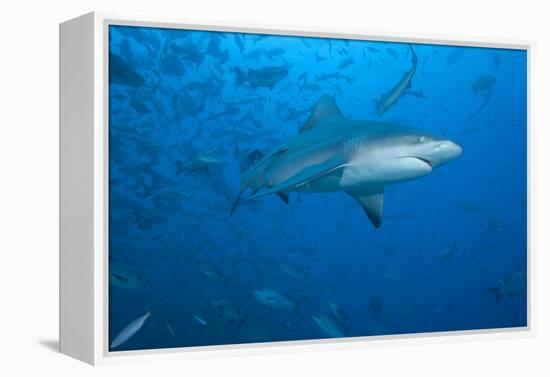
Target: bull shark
pixel 332 153
pixel 388 99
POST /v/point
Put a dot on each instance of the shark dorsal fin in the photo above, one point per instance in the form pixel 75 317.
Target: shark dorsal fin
pixel 373 205
pixel 323 110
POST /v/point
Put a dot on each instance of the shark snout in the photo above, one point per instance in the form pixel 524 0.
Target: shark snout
pixel 445 151
pixel 450 148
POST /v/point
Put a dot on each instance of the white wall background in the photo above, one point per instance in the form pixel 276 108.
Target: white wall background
pixel 29 184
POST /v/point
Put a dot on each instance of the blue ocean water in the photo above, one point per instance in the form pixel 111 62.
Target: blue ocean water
pixel 189 110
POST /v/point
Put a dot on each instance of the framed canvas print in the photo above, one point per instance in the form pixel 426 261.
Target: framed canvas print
pixel 237 186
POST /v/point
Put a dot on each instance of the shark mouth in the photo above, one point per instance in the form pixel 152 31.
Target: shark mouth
pixel 427 162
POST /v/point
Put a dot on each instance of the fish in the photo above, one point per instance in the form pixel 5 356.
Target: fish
pixel 188 105
pixel 302 77
pixel 275 300
pixel 496 61
pixel 250 160
pixel 346 62
pixel 122 276
pixel 329 325
pixel 319 58
pixel 274 52
pixel 239 41
pixel 266 77
pixel 139 106
pixel 332 153
pixel 483 84
pixel 254 54
pixel 375 306
pixel 229 311
pixel 169 327
pixel 212 271
pixel 338 313
pixel 293 270
pixel 172 65
pixel 512 286
pixel 200 162
pixel 392 52
pixel 172 194
pixel 455 56
pixel 390 98
pixel 199 319
pixel 449 253
pixel 125 49
pixel 187 53
pixel 129 330
pixel 336 76
pixel 121 73
pixel 493 224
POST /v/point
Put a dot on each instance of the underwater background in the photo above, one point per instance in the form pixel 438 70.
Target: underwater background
pixel 188 111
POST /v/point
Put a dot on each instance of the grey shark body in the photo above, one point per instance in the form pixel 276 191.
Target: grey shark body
pixel 332 153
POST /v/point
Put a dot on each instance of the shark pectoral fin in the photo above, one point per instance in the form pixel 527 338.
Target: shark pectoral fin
pixel 373 205
pixel 283 195
pixel 324 109
pixel 305 175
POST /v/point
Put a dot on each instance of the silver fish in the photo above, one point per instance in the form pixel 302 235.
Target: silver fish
pixel 130 330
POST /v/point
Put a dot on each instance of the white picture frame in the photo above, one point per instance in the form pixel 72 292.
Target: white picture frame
pixel 84 190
